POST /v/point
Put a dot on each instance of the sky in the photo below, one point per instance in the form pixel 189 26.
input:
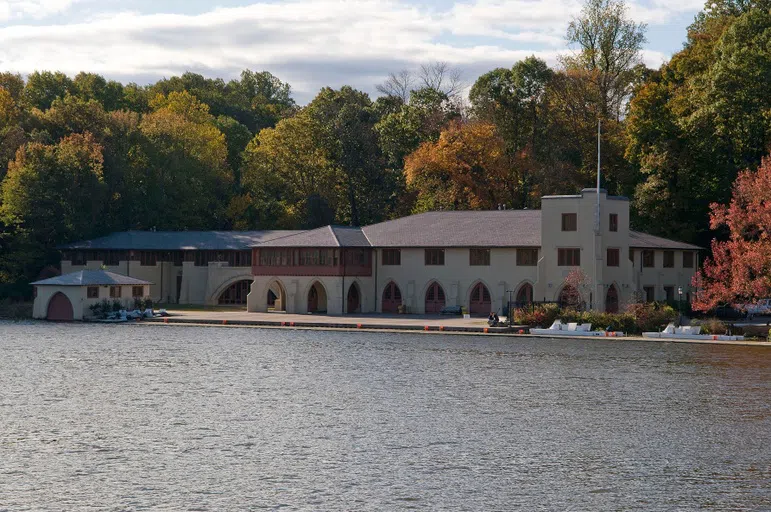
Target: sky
pixel 308 43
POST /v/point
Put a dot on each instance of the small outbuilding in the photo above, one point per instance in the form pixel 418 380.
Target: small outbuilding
pixel 69 297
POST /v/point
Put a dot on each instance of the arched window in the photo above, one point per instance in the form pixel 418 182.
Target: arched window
pixel 525 295
pixel 569 297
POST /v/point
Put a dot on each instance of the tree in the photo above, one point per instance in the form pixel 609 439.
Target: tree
pixel 609 50
pixel 179 171
pixel 466 169
pixel 52 194
pixel 347 120
pixel 516 101
pixel 439 76
pixel 285 170
pixel 740 267
pixel 696 123
pixel 90 86
pixel 44 87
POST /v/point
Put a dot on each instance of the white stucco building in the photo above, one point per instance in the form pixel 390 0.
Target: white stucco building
pixel 480 260
pixel 68 297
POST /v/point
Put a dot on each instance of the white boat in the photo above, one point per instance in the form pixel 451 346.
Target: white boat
pixel 575 329
pixel 689 332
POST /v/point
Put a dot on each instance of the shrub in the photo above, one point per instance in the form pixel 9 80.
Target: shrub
pixel 541 315
pixel 713 326
pixel 116 305
pixel 651 316
pixel 148 303
pixel 139 303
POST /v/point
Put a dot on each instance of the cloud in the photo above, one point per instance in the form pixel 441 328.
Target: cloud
pixel 309 43
pixel 36 9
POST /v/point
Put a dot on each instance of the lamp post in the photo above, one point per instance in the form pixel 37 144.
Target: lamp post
pixel 510 309
pixel 680 304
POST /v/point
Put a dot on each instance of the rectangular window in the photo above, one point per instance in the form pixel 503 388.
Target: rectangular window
pixel 568 257
pixel 669 259
pixel 687 259
pixel 137 291
pixel 527 257
pixel 569 222
pixel 650 295
pixel 613 257
pixel 479 257
pixel 613 222
pixel 669 291
pixel 92 292
pixel 115 292
pixel 112 258
pixel 177 257
pixel 434 257
pixel 392 257
pixel 148 258
pixel 648 258
pixel 78 258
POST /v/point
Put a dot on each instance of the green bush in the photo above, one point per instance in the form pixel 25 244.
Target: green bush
pixel 652 316
pixel 116 305
pixel 541 315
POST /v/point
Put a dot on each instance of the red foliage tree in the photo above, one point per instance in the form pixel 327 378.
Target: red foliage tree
pixel 740 268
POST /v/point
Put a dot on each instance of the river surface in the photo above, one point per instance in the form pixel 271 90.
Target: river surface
pixel 186 418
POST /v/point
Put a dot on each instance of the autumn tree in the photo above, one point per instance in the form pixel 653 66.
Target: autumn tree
pixel 739 269
pixel 465 169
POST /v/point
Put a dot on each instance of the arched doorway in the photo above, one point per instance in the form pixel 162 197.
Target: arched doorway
pixel 392 298
pixel 317 299
pixel 276 297
pixel 480 303
pixel 434 298
pixel 235 294
pixel 569 297
pixel 354 299
pixel 611 300
pixel 524 295
pixel 60 309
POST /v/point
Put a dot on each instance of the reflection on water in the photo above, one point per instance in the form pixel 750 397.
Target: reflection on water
pixel 185 418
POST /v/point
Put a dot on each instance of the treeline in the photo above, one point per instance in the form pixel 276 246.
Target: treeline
pixel 81 157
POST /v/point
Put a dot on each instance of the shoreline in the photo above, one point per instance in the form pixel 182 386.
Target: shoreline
pixel 428 329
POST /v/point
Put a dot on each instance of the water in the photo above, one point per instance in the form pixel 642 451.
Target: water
pixel 186 418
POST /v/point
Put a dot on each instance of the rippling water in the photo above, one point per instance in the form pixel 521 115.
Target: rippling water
pixel 186 418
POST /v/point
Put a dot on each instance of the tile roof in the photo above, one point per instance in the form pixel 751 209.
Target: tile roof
pixel 646 241
pixel 486 228
pixel 326 236
pixel 178 240
pixel 91 278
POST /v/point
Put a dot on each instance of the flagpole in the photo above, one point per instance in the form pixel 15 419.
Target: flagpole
pixel 597 230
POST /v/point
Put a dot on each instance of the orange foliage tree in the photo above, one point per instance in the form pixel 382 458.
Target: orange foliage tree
pixel 740 268
pixel 466 169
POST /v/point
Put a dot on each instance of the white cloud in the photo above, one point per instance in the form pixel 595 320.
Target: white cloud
pixel 309 43
pixel 36 9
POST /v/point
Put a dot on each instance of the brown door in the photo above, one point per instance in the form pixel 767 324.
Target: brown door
pixel 60 309
pixel 313 300
pixel 480 303
pixel 392 298
pixel 353 299
pixel 434 298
